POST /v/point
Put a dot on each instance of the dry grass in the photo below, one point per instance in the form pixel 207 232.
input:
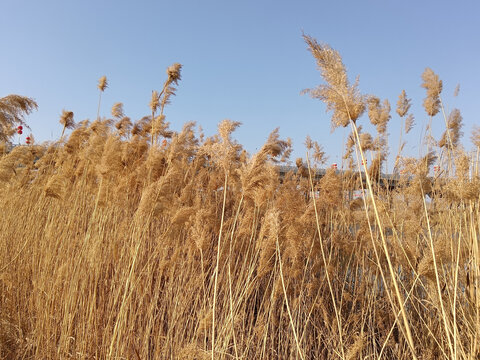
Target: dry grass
pixel 115 245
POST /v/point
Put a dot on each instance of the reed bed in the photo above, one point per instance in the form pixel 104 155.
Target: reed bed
pixel 126 240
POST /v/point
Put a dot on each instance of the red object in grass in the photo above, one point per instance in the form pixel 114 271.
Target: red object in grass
pixel 28 142
pixel 334 166
pixel 20 127
pixel 27 138
pixel 19 132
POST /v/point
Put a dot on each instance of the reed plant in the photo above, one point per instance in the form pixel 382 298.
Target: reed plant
pixel 113 247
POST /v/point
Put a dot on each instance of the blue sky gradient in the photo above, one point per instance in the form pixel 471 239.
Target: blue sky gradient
pixel 242 60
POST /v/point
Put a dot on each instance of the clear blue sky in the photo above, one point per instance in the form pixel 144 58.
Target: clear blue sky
pixel 242 60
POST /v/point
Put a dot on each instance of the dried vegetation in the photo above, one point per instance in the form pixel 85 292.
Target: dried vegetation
pixel 126 240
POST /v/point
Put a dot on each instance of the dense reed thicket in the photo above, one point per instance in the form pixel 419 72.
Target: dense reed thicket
pixel 130 241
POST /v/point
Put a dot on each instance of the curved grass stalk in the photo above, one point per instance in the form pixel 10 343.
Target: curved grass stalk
pixel 217 264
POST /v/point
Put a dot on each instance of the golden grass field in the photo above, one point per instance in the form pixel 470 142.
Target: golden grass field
pixel 126 240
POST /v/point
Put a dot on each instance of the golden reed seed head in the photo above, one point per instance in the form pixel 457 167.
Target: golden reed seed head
pixel 318 153
pixel 226 128
pixel 455 120
pixel 55 187
pixel 433 85
pixel 403 104
pixel 102 83
pixel 343 99
pixel 366 142
pixel 329 62
pixel 173 72
pixel 475 137
pixel 66 119
pixel 452 133
pixel 274 146
pixel 379 114
pixel 13 109
pixel 155 101
pixel 308 142
pixel 409 122
pixel 299 162
pixel 136 130
pixel 124 123
pixel 456 91
pixel 117 110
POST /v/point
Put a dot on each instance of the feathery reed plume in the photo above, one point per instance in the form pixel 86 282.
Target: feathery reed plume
pixel 342 98
pixel 462 167
pixel 350 144
pixel 55 187
pixel 173 72
pixel 366 142
pixel 403 104
pixel 13 109
pixel 168 90
pixel 102 85
pixel 379 114
pixel 111 162
pixel 318 155
pixel 433 85
pixel 409 122
pixel 475 137
pixel 302 169
pixel 142 127
pixel 224 152
pixel 123 126
pixel 162 127
pixel 375 169
pixel 452 134
pixel 117 110
pixel 254 174
pixel 66 119
pixel 77 139
pixel 163 98
pixel 425 163
pixel 84 123
pixel 275 147
pixel 8 165
pixel 154 104
pixel 456 91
